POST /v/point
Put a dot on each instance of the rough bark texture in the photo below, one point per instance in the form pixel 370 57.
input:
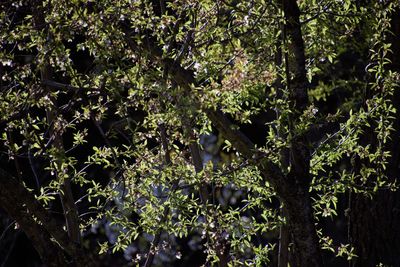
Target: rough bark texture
pixel 375 229
pixel 39 225
pixel 49 252
pixel 294 191
pixel 302 226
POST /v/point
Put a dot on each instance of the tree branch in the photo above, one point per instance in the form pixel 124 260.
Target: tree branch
pixel 66 196
pixel 36 222
pixel 185 79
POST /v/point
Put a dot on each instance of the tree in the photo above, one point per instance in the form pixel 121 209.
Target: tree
pixel 112 111
pixel 378 216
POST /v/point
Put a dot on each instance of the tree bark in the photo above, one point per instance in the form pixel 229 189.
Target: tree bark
pixel 39 225
pixel 50 253
pixel 301 223
pixel 66 196
pixel 294 190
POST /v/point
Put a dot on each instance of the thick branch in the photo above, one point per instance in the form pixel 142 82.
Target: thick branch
pixel 50 253
pixel 23 207
pixel 66 196
pixel 185 79
pixel 296 59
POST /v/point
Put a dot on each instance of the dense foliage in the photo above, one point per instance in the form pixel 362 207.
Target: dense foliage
pixel 177 133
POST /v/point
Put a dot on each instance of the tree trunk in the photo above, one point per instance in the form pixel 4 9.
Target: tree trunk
pixel 301 224
pixel 294 191
pixel 375 229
